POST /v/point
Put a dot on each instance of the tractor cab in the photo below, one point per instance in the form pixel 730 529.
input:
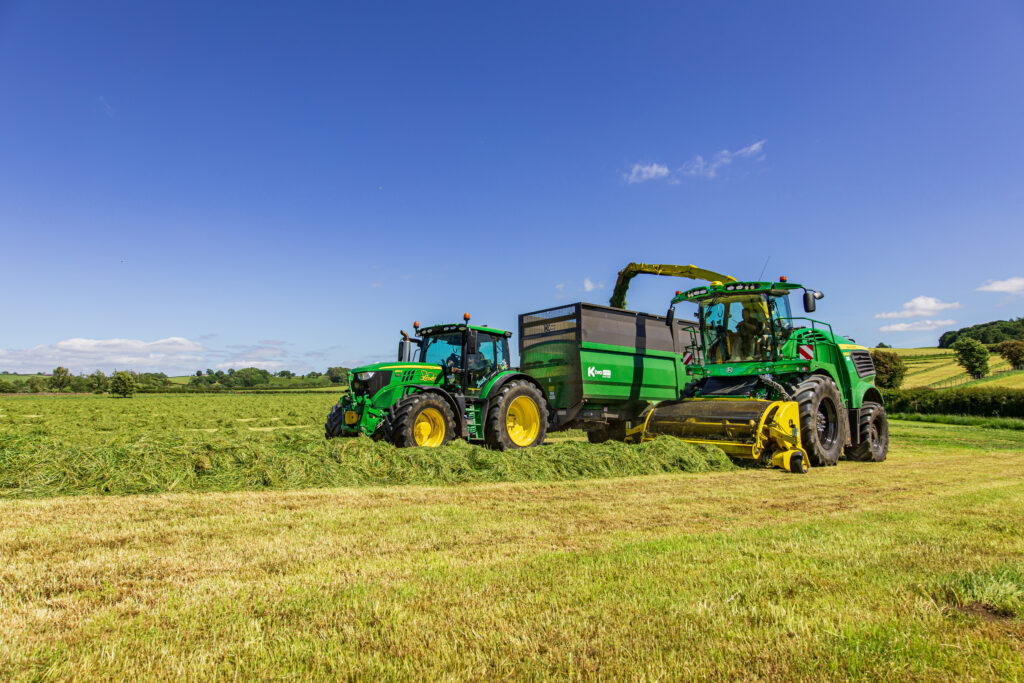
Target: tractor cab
pixel 468 355
pixel 744 322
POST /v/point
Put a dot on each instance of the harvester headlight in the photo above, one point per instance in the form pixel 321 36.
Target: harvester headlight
pixel 363 376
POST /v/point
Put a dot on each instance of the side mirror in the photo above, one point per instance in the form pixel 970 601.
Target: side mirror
pixel 403 349
pixel 472 342
pixel 809 298
pixel 670 317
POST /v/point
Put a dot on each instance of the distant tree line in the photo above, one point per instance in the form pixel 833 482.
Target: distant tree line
pixel 987 333
pixel 61 380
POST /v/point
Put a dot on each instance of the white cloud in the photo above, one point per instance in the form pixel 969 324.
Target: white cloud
pixel 920 307
pixel 589 285
pixel 1013 285
pixel 917 326
pixel 708 168
pixel 560 286
pixel 644 172
pixel 80 355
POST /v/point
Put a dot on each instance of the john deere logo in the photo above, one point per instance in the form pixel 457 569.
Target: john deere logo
pixel 428 375
pixel 594 372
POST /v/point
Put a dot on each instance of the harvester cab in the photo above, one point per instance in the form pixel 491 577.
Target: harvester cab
pixel 449 381
pixel 770 386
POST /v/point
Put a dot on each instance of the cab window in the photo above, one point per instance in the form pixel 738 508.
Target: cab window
pixel 735 330
pixel 443 349
pixel 491 357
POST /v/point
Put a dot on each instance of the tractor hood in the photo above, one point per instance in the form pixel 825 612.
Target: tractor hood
pixel 394 365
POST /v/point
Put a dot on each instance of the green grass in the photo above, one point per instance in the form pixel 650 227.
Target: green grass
pixel 964 420
pixel 154 444
pixel 998 591
pixel 908 569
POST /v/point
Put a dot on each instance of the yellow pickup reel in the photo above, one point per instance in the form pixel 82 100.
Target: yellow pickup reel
pixel 749 428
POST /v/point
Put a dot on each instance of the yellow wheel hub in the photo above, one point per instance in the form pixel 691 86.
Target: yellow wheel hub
pixel 522 421
pixel 428 430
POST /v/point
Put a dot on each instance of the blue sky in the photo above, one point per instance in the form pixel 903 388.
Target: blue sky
pixel 189 185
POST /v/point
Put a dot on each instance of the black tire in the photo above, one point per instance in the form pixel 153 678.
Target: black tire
pixel 823 422
pixel 433 408
pixel 335 422
pixel 874 435
pixel 498 430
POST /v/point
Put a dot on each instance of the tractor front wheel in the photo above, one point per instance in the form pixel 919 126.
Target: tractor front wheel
pixel 874 435
pixel 335 422
pixel 518 417
pixel 423 420
pixel 823 423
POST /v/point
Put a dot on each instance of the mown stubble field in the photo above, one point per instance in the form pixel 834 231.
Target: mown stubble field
pixel 909 569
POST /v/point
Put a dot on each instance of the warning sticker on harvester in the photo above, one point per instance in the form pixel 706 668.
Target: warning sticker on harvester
pixel 806 351
pixel 688 358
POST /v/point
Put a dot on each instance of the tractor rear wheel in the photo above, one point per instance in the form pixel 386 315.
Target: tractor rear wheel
pixel 335 421
pixel 874 435
pixel 823 423
pixel 518 417
pixel 423 420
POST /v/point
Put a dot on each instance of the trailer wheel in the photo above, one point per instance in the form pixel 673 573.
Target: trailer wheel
pixel 518 417
pixel 423 420
pixel 874 435
pixel 613 431
pixel 823 427
pixel 335 421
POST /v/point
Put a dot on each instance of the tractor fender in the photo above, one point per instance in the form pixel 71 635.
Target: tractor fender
pixel 870 393
pixel 458 407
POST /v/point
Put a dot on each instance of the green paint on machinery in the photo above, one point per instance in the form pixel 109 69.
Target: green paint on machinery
pixel 747 376
pixel 460 384
pixel 758 372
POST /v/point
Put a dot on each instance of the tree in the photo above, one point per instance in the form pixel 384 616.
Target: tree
pixel 98 382
pixel 337 375
pixel 285 374
pixel 35 385
pixel 249 377
pixel 60 379
pixel 889 369
pixel 883 345
pixel 312 374
pixel 122 384
pixel 1013 352
pixel 79 384
pixel 972 356
pixel 7 387
pixel 199 373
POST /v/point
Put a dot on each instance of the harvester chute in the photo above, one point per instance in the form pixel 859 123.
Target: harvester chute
pixel 618 299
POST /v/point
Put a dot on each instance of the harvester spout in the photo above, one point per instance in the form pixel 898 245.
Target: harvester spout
pixel 618 299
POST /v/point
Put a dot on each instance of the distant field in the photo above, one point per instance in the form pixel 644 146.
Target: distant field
pixel 928 366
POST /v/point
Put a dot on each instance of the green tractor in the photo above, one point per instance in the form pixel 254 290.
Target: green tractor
pixel 460 385
pixel 770 386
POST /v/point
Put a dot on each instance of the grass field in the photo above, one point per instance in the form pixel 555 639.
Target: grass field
pixel 928 366
pixel 909 569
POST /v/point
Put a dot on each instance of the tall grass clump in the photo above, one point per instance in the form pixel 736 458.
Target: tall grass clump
pixel 999 591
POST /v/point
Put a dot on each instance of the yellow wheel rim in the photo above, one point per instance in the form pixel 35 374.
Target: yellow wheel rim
pixel 428 430
pixel 522 421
